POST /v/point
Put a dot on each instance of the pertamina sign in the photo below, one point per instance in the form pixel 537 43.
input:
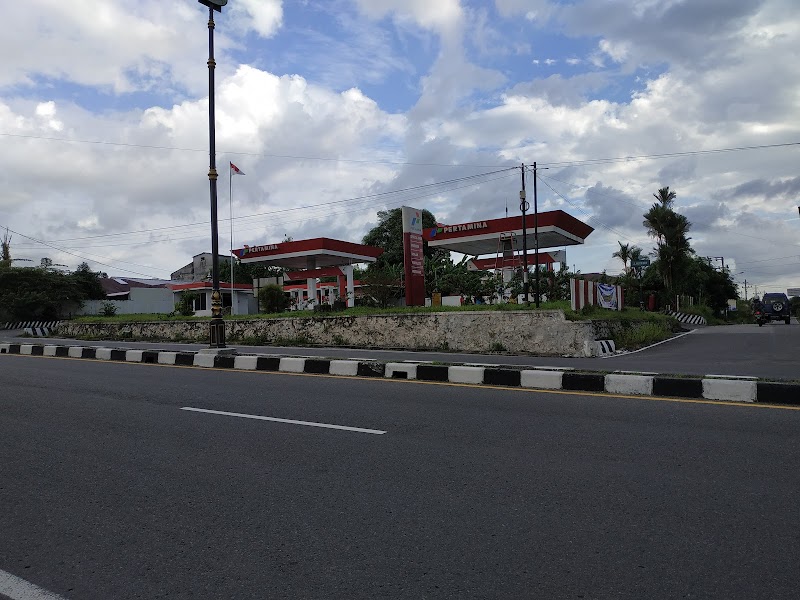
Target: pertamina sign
pixel 256 249
pixel 413 256
pixel 476 225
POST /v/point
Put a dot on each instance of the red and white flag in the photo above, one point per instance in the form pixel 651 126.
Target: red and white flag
pixel 236 170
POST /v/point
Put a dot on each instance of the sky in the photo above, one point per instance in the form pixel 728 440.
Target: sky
pixel 337 109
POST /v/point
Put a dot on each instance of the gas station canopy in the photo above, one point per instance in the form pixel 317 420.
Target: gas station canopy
pixel 312 259
pixel 477 238
pixel 309 254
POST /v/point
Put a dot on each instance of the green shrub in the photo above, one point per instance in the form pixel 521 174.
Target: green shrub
pixel 185 306
pixel 108 309
pixel 271 299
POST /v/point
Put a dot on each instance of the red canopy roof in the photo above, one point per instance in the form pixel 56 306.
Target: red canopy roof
pixel 476 238
pixel 325 252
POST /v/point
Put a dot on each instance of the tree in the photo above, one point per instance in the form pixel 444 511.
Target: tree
pixel 388 234
pixel 624 254
pixel 669 229
pixel 557 283
pixel 383 285
pixel 5 251
pixel 37 294
pixel 246 272
pixel 89 282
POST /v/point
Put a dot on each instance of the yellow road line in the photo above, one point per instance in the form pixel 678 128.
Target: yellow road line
pixel 441 383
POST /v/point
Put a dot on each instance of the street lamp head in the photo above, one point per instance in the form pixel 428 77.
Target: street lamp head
pixel 215 4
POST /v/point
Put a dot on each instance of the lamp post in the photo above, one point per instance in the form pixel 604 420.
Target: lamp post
pixel 217 327
pixel 524 206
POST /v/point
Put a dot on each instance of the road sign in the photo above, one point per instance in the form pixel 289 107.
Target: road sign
pixel 640 262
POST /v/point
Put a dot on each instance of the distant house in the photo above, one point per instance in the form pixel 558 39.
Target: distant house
pixel 118 288
pixel 132 296
pixel 197 270
pixel 237 299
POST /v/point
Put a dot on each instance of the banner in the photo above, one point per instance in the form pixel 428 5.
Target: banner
pixel 607 296
pixel 588 293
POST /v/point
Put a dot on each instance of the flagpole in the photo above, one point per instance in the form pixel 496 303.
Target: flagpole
pixel 230 199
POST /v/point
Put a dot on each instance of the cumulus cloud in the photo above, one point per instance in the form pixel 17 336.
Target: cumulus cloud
pixel 767 190
pixel 441 15
pixel 262 16
pixel 708 75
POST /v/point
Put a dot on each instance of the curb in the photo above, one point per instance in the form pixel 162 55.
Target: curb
pixel 28 324
pixel 710 387
pixel 687 318
pixel 600 348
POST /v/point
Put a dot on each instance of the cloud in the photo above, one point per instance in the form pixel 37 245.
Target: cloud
pixel 767 190
pixel 532 10
pixel 441 16
pixel 264 17
pixel 703 217
pixel 618 51
pixel 560 90
pixel 668 77
pixel 612 208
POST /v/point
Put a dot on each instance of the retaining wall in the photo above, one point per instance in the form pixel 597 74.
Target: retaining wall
pixel 544 332
pixel 540 332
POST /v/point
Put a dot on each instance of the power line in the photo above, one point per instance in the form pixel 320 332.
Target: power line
pixel 355 199
pixel 590 161
pixel 750 262
pixel 572 185
pixel 589 215
pixel 239 153
pixel 27 237
pixel 709 225
pixel 344 211
pixel 599 161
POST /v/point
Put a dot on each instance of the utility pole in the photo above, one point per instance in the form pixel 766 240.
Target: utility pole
pixel 745 290
pixel 523 206
pixel 536 231
pixel 719 258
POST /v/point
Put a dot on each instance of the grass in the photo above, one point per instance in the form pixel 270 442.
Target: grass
pixel 742 314
pixel 631 338
pixel 626 314
pixel 357 311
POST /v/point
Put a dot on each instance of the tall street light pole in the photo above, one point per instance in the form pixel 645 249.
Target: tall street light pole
pixel 217 328
pixel 536 232
pixel 523 206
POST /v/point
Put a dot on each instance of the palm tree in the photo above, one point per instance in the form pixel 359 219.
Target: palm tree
pixel 669 230
pixel 655 220
pixel 624 254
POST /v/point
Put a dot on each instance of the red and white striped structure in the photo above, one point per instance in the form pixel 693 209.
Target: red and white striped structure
pixel 583 293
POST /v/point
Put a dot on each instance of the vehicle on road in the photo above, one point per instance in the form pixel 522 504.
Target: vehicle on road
pixel 773 307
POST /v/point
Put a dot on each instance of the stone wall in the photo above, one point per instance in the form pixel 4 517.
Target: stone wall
pixel 544 332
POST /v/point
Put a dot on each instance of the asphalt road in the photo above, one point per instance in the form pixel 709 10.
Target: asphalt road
pixel 109 490
pixel 768 352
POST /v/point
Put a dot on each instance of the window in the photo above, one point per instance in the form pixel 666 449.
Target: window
pixel 200 301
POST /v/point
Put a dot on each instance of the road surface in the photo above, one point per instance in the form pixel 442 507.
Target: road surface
pixel 109 489
pixel 768 352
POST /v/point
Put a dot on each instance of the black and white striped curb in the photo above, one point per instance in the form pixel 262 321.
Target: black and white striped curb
pixel 29 324
pixel 36 331
pixel 600 348
pixel 687 318
pixel 710 387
